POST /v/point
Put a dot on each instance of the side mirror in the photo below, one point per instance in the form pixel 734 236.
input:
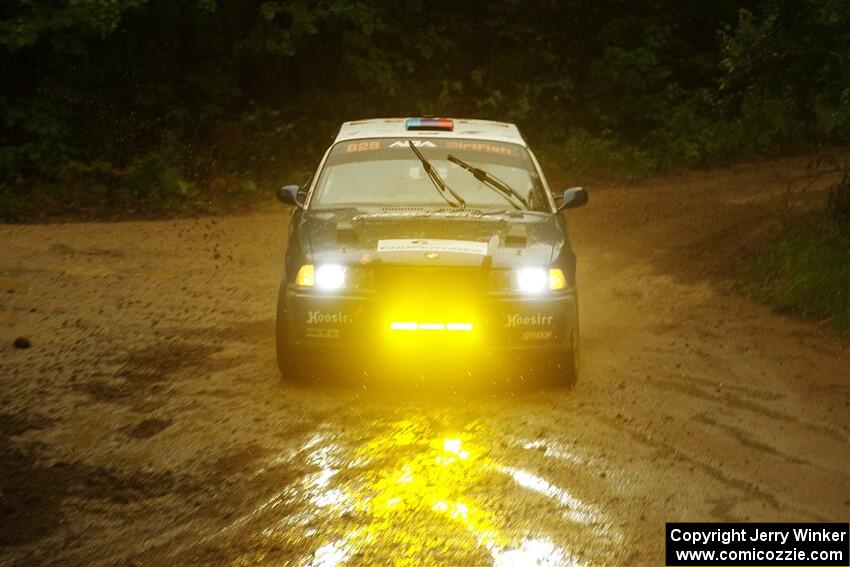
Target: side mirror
pixel 288 195
pixel 573 197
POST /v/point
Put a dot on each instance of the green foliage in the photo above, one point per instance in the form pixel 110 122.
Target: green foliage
pixel 211 102
pixel 606 159
pixel 838 200
pixel 67 24
pixel 44 134
pixel 807 270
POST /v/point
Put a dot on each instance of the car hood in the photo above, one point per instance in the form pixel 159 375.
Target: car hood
pixel 420 237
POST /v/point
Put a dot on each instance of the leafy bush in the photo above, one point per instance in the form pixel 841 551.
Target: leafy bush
pixel 806 270
pixel 583 155
pixel 152 179
pixel 838 200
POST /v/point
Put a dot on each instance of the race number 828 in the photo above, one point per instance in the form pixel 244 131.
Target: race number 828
pixel 362 146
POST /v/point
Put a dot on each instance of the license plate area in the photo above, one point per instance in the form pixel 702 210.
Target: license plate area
pixel 430 302
pixel 330 319
pixel 528 322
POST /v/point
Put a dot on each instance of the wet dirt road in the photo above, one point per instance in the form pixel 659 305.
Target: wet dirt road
pixel 147 425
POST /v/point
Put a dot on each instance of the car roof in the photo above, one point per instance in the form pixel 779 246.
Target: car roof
pixel 466 128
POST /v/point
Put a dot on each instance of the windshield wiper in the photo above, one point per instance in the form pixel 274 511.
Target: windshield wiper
pixel 493 182
pixel 442 186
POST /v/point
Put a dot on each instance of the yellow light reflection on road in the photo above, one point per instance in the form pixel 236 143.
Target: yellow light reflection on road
pixel 417 495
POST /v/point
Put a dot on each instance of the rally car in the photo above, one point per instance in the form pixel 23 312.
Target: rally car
pixel 422 240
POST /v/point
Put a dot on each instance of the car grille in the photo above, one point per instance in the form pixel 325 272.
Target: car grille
pixel 444 297
pixel 451 284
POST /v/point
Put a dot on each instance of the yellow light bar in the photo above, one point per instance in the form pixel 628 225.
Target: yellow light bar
pixel 413 326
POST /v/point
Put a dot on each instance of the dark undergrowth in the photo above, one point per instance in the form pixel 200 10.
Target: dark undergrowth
pixel 806 269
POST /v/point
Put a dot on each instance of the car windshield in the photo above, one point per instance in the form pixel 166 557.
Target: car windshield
pixel 387 172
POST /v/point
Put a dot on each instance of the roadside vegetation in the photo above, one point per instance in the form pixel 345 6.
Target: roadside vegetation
pixel 152 107
pixel 806 268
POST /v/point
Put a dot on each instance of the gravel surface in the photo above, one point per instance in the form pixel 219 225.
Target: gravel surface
pixel 146 423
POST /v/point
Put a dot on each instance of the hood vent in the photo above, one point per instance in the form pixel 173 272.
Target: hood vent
pixel 345 233
pixel 517 236
pixel 402 209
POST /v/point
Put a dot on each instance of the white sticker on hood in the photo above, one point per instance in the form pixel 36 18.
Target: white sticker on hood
pixel 433 245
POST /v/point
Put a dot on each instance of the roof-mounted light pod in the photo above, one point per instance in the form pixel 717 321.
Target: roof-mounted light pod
pixel 446 124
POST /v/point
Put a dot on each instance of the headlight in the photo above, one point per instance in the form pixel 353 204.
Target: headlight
pixel 326 276
pixel 531 280
pixel 538 280
pixel 330 276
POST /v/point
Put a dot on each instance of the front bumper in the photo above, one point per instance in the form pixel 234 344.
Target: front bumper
pixel 495 322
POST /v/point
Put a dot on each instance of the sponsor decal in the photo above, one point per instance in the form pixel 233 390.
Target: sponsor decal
pixel 373 145
pixel 319 333
pixel 433 245
pixel 479 147
pixel 323 317
pixel 362 146
pixel 528 320
pixel 417 143
pixel 537 336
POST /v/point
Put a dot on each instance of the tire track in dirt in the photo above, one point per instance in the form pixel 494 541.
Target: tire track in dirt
pixel 675 385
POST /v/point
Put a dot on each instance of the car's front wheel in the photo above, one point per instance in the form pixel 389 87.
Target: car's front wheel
pixel 287 361
pixel 568 360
